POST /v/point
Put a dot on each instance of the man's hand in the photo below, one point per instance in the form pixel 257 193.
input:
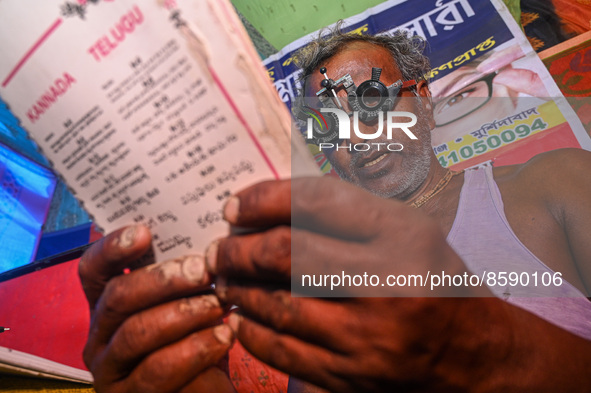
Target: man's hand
pixel 155 329
pixel 370 344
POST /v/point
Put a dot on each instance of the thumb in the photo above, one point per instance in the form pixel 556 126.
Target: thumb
pixel 109 256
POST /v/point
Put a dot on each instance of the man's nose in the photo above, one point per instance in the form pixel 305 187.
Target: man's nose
pixel 365 128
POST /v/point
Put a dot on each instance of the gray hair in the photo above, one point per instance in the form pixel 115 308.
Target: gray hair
pixel 406 51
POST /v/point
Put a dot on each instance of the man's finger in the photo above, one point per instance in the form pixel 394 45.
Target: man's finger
pixel 318 204
pixel 263 205
pixel 323 205
pixel 171 368
pixel 149 330
pixel 277 254
pixel 294 315
pixel 211 380
pixel 144 288
pixel 109 256
pixel 262 256
pixel 290 355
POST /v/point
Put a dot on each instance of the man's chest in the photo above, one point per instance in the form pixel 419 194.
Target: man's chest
pixel 528 219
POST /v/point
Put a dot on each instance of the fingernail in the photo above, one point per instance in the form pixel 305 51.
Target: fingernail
pixel 198 305
pixel 231 209
pixel 211 256
pixel 189 267
pixel 127 237
pixel 224 334
pixel 234 321
pixel 193 268
pixel 221 288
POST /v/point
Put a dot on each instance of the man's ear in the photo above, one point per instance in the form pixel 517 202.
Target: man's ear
pixel 425 94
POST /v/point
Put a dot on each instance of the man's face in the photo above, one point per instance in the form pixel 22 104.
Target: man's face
pixel 384 173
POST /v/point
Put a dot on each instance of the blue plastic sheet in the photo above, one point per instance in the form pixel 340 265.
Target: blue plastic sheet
pixel 25 196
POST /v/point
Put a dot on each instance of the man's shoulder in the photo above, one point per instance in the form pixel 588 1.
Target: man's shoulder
pixel 569 158
pixel 555 165
pixel 555 174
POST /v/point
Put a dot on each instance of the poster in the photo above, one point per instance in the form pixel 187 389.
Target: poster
pixel 477 52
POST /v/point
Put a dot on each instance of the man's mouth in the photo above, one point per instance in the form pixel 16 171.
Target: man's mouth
pixel 373 165
pixel 375 161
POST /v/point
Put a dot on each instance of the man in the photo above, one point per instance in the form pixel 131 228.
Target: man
pixel 156 328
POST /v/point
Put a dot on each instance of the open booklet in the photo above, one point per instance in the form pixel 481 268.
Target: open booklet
pixel 25 364
pixel 152 112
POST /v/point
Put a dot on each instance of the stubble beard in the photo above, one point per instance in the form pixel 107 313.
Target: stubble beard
pixel 406 179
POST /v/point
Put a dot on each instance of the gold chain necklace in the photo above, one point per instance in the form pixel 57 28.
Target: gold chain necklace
pixel 436 190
